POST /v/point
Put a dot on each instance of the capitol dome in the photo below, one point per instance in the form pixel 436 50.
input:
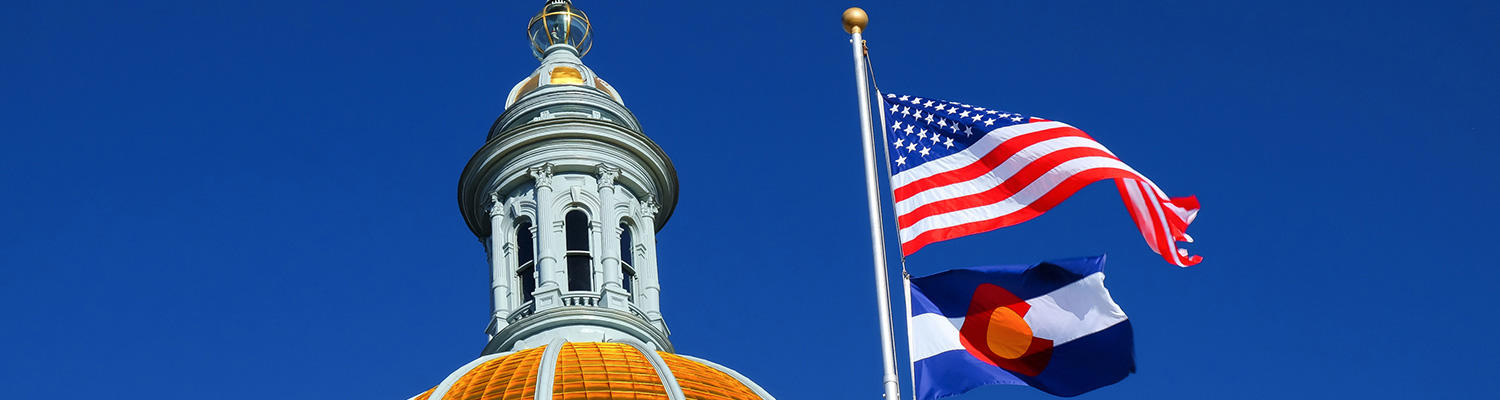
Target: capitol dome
pixel 566 195
pixel 593 370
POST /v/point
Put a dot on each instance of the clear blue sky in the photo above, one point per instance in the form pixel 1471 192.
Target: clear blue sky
pixel 255 199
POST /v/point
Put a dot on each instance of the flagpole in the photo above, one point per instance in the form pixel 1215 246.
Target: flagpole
pixel 855 21
pixel 885 157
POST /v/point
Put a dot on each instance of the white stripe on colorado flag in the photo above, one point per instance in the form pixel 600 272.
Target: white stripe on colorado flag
pixel 1049 318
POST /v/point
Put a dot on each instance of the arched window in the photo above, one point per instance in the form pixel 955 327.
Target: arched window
pixel 580 271
pixel 526 260
pixel 627 259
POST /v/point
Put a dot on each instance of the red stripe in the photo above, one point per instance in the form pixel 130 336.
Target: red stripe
pixel 987 163
pixel 1135 213
pixel 1179 225
pixel 1166 237
pixel 1006 189
pixel 1041 205
pixel 1164 241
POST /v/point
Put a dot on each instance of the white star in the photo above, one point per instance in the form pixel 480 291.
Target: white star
pixel 943 123
pixel 895 108
pixel 940 107
pixel 979 108
pixel 989 122
pixel 949 143
pixel 1016 119
pixel 900 142
pixel 896 126
pixel 976 117
pixel 935 138
pixel 909 129
pixel 991 112
pixel 906 111
pixel 916 100
pixel 901 160
pixel 964 114
pixel 968 130
pixel 925 151
pixel 903 98
pixel 917 114
pixel 1004 115
pixel 922 134
pixel 929 118
pixel 890 96
pixel 911 147
pixel 927 104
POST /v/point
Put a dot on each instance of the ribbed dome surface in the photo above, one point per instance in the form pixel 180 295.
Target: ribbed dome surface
pixel 587 371
pixel 700 381
pixel 605 371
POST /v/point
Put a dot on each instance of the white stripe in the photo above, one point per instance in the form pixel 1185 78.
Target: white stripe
pixel 932 334
pixel 1141 214
pixel 1021 199
pixel 1079 309
pixel 997 176
pixel 1181 212
pixel 1164 230
pixel 971 154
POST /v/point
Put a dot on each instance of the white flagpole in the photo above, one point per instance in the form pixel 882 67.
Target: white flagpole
pixel 855 21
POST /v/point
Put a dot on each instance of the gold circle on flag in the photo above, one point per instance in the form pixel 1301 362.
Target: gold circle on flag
pixel 1008 335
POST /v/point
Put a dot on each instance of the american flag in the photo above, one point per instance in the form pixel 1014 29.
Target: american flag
pixel 959 170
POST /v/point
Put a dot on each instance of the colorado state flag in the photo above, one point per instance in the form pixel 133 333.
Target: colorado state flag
pixel 1051 326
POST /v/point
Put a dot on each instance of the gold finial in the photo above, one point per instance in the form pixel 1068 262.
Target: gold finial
pixel 855 20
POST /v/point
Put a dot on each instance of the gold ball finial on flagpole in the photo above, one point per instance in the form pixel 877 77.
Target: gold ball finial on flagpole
pixel 855 20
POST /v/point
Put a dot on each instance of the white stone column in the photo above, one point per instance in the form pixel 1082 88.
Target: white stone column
pixel 550 247
pixel 646 272
pixel 614 294
pixel 500 285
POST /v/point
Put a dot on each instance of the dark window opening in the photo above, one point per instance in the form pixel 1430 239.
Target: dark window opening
pixel 526 260
pixel 627 259
pixel 580 262
pixel 579 274
pixel 528 283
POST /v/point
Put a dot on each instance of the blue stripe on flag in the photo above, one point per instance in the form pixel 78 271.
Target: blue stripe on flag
pixel 951 290
pixel 1077 367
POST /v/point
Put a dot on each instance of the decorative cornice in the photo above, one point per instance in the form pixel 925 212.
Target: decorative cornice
pixel 503 164
pixel 621 321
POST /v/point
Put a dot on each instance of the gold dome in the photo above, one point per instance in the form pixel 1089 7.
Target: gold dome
pixel 588 371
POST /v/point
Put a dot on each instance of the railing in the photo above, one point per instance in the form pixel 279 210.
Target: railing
pixel 637 311
pixel 580 300
pixel 570 300
pixel 525 311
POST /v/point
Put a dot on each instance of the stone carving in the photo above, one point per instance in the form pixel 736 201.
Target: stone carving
pixel 649 206
pixel 542 175
pixel 607 175
pixel 495 208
